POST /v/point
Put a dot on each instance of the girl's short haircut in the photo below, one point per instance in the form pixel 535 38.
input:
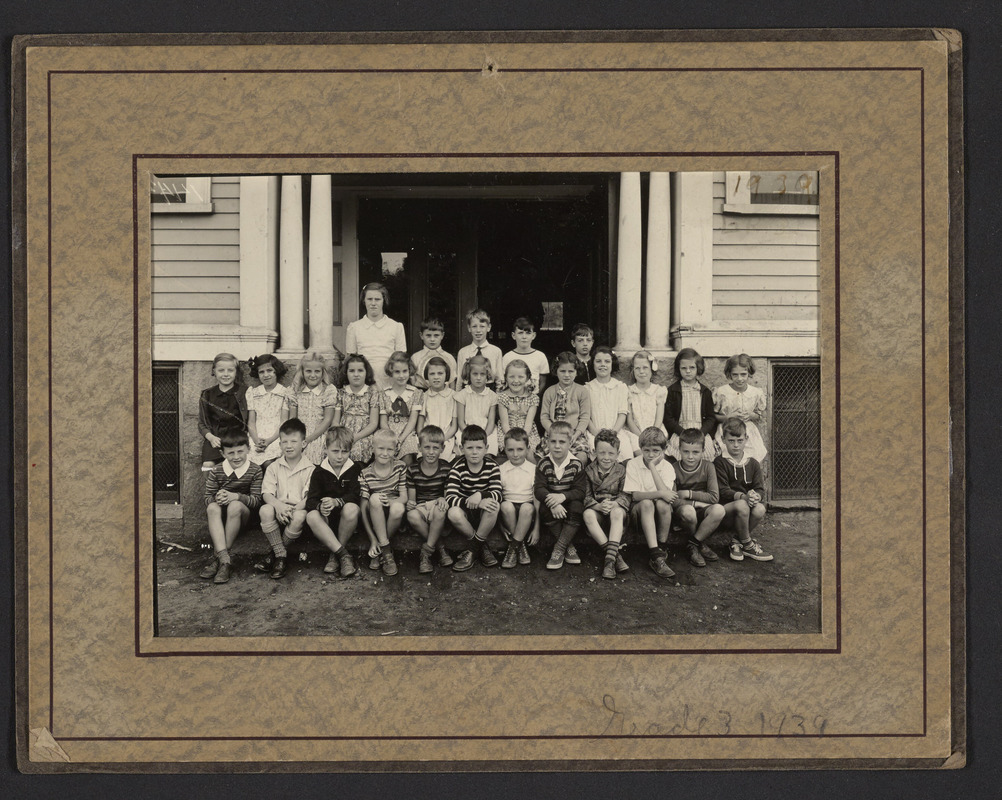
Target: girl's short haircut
pixel 478 313
pixel 650 360
pixel 384 435
pixel 233 438
pixel 474 433
pixel 518 435
pixel 328 373
pixel 604 348
pixel 653 437
pixel 581 330
pixel 227 357
pixel 690 436
pixel 431 433
pixel 432 324
pixel 477 361
pixel 294 425
pixel 398 357
pixel 375 286
pixel 518 362
pixel 561 426
pixel 356 358
pixel 734 427
pixel 340 436
pixel 524 324
pixel 438 361
pixel 608 436
pixel 257 362
pixel 565 357
pixel 740 360
pixel 688 354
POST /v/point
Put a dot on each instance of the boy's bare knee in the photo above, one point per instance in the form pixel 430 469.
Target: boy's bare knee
pixel 617 514
pixel 645 505
pixel 590 516
pixel 214 509
pixel 687 513
pixel 714 513
pixel 758 511
pixel 267 513
pixel 455 514
pixel 507 507
pixel 350 512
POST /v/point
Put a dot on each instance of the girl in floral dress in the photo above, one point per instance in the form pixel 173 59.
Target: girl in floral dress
pixel 357 406
pixel 518 403
pixel 742 400
pixel 399 406
pixel 312 400
pixel 646 400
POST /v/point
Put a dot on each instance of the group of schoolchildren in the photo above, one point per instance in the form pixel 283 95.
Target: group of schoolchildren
pixel 383 437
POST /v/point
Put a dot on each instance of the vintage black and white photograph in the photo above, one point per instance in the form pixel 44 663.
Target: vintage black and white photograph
pixel 480 403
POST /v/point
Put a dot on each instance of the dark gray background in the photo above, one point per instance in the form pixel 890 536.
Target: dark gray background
pixel 978 20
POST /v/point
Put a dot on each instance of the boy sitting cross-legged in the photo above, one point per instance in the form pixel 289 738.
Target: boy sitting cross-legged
pixel 696 507
pixel 426 504
pixel 650 481
pixel 560 489
pixel 741 492
pixel 605 500
pixel 518 511
pixel 332 500
pixel 232 494
pixel 384 499
pixel 473 492
pixel 283 489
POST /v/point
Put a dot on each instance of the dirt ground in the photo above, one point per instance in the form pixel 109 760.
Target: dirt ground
pixel 780 596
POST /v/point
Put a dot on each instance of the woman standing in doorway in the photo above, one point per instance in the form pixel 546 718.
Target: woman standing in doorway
pixel 375 335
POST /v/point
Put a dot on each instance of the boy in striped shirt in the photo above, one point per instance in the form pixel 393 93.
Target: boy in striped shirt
pixel 383 489
pixel 426 504
pixel 560 490
pixel 473 492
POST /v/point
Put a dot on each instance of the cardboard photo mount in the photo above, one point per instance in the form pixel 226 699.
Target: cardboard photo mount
pixel 875 112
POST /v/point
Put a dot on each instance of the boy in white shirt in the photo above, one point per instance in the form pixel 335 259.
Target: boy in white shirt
pixel 478 322
pixel 432 333
pixel 518 511
pixel 650 480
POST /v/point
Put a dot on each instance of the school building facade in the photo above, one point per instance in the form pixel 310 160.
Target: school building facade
pixel 724 262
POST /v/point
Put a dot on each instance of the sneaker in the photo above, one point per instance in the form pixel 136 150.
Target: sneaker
pixel 223 574
pixel 374 563
pixel 707 553
pixel 660 566
pixel 347 565
pixel 278 568
pixel 487 557
pixel 330 568
pixel 387 562
pixel 523 554
pixel 210 569
pixel 263 563
pixel 694 555
pixel 464 561
pixel 736 551
pixel 557 558
pixel 510 557
pixel 753 550
pixel 571 556
pixel 424 564
pixel 621 565
pixel 609 569
pixel 443 556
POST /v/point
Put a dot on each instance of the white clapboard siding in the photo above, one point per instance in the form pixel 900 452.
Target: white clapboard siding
pixel 765 266
pixel 196 261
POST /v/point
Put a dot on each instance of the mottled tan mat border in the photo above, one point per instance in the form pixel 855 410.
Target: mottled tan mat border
pixel 877 113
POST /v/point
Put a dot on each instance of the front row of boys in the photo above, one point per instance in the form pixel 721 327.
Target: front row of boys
pixel 473 494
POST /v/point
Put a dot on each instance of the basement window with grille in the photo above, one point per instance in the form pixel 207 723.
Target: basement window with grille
pixel 796 430
pixel 166 434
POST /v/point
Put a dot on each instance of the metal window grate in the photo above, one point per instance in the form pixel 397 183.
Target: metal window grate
pixel 166 436
pixel 796 431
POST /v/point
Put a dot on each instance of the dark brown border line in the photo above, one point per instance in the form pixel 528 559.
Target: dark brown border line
pixel 787 35
pixel 626 651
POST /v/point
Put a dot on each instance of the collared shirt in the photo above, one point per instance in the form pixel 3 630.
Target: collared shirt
pixel 347 465
pixel 239 471
pixel 639 478
pixel 558 469
pixel 288 484
pixel 439 408
pixel 516 481
pixel 489 351
pixel 608 401
pixel 420 360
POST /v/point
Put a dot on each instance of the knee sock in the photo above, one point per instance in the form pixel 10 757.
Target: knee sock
pixel 611 550
pixel 274 537
pixel 427 549
pixel 223 556
pixel 567 531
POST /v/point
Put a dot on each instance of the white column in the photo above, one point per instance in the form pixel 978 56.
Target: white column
pixel 628 263
pixel 290 264
pixel 658 290
pixel 259 252
pixel 321 265
pixel 694 249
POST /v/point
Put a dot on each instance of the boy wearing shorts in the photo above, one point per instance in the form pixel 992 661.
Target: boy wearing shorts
pixel 560 488
pixel 742 492
pixel 650 481
pixel 696 508
pixel 332 500
pixel 426 504
pixel 473 492
pixel 518 512
pixel 605 503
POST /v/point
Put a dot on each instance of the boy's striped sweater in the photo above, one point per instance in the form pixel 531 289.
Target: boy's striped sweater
pixel 248 486
pixel 572 484
pixel 462 483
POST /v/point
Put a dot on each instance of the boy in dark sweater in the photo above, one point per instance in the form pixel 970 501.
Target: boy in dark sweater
pixel 696 507
pixel 333 499
pixel 605 501
pixel 741 492
pixel 232 494
pixel 473 492
pixel 560 490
